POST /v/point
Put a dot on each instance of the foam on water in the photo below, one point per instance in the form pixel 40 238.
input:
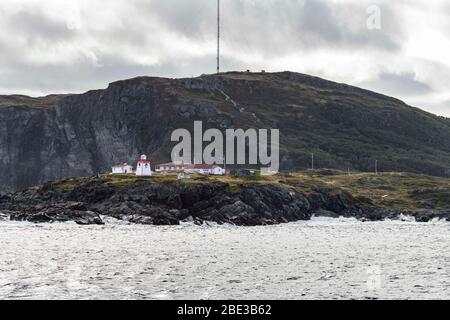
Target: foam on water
pixel 322 258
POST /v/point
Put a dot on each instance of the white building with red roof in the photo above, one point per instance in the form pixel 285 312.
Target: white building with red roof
pixel 170 167
pixel 143 167
pixel 213 169
pixel 173 167
pixel 122 168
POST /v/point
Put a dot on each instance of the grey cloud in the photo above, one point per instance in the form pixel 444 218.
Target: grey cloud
pixel 316 17
pixel 82 76
pixel 281 25
pixel 404 84
pixel 441 108
pixel 36 26
pixel 271 29
pixel 193 18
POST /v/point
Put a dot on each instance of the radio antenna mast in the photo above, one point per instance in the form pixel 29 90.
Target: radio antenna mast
pixel 218 36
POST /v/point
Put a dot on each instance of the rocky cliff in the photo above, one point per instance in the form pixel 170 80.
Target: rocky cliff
pixel 159 204
pixel 243 201
pixel 49 138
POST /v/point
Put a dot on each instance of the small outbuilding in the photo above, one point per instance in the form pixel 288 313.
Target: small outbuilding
pixel 213 169
pixel 122 168
pixel 170 167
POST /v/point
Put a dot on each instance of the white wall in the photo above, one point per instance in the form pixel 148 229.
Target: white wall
pixel 218 171
pixel 119 170
pixel 143 170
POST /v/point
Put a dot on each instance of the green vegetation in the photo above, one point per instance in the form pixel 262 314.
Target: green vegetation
pixel 20 101
pixel 388 190
pixel 344 126
pixel 393 190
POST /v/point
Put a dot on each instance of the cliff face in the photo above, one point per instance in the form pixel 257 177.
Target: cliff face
pixel 161 204
pixel 244 201
pixel 50 138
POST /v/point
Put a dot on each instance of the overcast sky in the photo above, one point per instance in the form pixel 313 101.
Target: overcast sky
pixel 61 46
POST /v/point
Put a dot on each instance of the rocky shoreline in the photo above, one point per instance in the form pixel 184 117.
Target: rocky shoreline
pixel 170 203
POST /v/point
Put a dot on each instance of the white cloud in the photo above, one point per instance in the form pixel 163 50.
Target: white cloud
pixel 52 46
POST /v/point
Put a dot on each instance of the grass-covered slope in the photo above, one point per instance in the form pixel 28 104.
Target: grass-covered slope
pixel 403 191
pixel 21 101
pixel 246 201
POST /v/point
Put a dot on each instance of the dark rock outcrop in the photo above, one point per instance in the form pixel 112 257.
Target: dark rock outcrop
pixel 162 204
pixel 56 212
pixel 173 202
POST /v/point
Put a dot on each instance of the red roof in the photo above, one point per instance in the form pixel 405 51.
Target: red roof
pixel 172 164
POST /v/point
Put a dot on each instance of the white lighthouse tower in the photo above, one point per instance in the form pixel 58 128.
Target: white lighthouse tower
pixel 143 167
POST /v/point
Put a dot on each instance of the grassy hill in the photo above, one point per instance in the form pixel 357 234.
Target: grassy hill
pixel 50 138
pixel 402 191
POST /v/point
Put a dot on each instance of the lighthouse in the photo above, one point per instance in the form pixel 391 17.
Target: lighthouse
pixel 143 167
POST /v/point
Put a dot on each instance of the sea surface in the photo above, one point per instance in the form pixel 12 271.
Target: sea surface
pixel 322 258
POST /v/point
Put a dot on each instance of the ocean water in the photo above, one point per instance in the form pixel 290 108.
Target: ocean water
pixel 322 258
